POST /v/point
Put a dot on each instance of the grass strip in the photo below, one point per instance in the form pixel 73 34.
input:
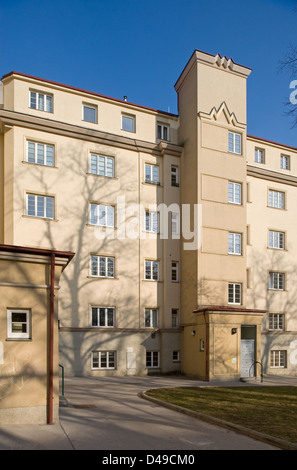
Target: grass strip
pixel 269 410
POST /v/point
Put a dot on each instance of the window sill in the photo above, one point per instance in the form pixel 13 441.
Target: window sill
pixel 40 165
pixel 19 339
pixel 102 176
pixel 101 277
pixel 47 219
pixel 152 183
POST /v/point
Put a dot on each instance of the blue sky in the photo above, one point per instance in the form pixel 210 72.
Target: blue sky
pixel 138 48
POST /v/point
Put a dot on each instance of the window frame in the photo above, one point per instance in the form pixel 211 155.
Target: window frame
pixel 98 316
pixel 106 159
pixel 176 352
pixel 151 317
pixel 278 279
pixel 107 269
pixel 152 225
pixel 174 271
pixel 48 99
pixel 45 156
pixel 46 199
pixel 149 267
pixel 93 107
pixel 23 335
pixel 285 158
pixel 257 159
pixel 163 131
pixel 174 317
pixel 128 118
pixel 152 167
pixel 276 199
pixel 234 197
pixel 108 213
pixel 278 237
pixel 232 144
pixel 174 176
pixel 276 322
pixel 234 243
pixel 234 293
pixel 109 360
pixel 150 361
pixel 278 359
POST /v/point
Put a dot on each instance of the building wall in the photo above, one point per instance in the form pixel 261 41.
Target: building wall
pixel 74 188
pixel 264 259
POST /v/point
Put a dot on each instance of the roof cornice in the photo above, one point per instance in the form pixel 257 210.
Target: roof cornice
pixel 218 61
pixel 12 118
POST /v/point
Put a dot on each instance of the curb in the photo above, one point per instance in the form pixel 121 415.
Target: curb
pixel 274 441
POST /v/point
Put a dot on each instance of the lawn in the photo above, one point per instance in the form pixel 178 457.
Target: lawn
pixel 269 410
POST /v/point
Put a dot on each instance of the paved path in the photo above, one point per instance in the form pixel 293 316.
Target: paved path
pixel 108 414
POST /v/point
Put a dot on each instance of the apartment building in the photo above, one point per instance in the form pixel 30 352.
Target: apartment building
pixel 182 225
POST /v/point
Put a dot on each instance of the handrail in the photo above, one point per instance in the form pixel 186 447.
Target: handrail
pixel 257 362
pixel 62 367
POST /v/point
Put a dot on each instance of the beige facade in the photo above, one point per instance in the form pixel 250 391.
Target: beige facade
pixel 98 176
pixel 29 374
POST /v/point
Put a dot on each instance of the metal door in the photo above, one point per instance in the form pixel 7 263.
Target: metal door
pixel 247 357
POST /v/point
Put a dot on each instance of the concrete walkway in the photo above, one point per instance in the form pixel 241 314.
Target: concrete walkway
pixel 109 414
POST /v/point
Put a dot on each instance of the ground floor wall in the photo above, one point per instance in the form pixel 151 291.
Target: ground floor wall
pixel 85 352
pixel 212 348
pixel 279 353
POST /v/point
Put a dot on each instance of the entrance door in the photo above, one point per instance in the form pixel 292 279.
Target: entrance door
pixel 247 357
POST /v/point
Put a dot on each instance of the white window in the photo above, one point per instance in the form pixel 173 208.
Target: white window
pixel 103 316
pixel 174 271
pixel 151 173
pixel 151 317
pixel 152 359
pixel 278 359
pixel 276 240
pixel 276 321
pixel 276 281
pixel 285 162
pixel 101 165
pixel 102 215
pixel 234 243
pixel 40 206
pixel 102 266
pixel 151 221
pixel 276 199
pixel 259 156
pixel 175 224
pixel 103 359
pixel 89 113
pixel 174 317
pixel 234 193
pixel 175 356
pixel 234 293
pixel 174 176
pixel 41 154
pixel 162 132
pixel 152 270
pixel 128 123
pixel 41 101
pixel 234 143
pixel 18 324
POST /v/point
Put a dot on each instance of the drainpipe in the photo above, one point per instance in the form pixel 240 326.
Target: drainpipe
pixel 206 347
pixel 51 341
